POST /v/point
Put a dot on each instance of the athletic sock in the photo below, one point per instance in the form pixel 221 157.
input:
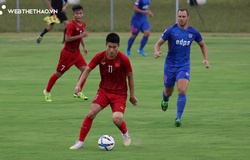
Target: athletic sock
pixel 181 103
pixel 123 127
pixel 144 41
pixel 51 82
pixel 86 125
pixel 44 32
pixel 130 43
pixel 165 98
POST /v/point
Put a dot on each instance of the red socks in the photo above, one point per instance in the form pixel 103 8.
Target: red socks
pixel 86 125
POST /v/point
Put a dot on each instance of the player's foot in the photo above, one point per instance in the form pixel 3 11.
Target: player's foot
pixel 140 51
pixel 126 139
pixel 77 145
pixel 39 39
pixel 81 95
pixel 164 105
pixel 177 122
pixel 128 53
pixel 47 96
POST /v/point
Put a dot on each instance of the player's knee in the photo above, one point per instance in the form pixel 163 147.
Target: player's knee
pixel 117 120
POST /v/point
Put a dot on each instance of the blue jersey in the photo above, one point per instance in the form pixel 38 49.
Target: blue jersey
pixel 179 43
pixel 142 5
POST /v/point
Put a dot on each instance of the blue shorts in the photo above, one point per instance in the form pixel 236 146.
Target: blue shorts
pixel 173 74
pixel 138 25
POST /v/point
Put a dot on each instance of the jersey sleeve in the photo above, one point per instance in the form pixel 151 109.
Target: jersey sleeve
pixel 198 37
pixel 127 65
pixel 70 29
pixel 166 34
pixel 95 61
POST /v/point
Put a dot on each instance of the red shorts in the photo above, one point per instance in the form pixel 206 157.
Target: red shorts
pixel 117 102
pixel 68 59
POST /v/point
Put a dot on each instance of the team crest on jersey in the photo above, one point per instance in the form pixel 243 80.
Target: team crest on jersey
pixel 77 29
pixel 117 64
pixel 103 63
pixel 190 35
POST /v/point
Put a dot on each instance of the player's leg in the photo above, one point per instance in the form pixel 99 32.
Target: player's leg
pixel 183 78
pixel 118 106
pixel 47 29
pixel 63 65
pixel 100 102
pixel 145 27
pixel 86 125
pixel 134 32
pixel 81 64
pixel 169 82
pixel 63 19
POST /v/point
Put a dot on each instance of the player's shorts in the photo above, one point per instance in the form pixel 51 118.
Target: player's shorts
pixel 173 74
pixel 138 25
pixel 68 59
pixel 117 102
pixel 61 16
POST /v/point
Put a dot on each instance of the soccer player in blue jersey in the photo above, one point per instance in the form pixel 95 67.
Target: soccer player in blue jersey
pixel 139 22
pixel 177 64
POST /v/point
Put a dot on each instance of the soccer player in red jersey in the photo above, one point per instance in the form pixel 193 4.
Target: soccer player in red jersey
pixel 70 54
pixel 115 69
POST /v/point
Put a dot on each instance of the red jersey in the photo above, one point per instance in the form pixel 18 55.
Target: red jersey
pixel 113 72
pixel 74 29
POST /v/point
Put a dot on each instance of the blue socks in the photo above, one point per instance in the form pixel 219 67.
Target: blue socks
pixel 181 103
pixel 144 41
pixel 130 43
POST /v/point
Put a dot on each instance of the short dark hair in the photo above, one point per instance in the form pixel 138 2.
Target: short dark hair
pixel 77 7
pixel 184 9
pixel 113 38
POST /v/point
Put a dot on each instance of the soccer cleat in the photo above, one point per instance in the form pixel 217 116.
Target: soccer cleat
pixel 128 53
pixel 47 96
pixel 164 105
pixel 81 95
pixel 177 122
pixel 140 51
pixel 77 145
pixel 39 39
pixel 126 139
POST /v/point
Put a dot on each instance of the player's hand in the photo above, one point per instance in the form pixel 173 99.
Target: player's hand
pixel 206 63
pixel 77 90
pixel 85 33
pixel 85 50
pixel 157 54
pixel 133 100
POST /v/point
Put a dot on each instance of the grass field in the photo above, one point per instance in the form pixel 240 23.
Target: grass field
pixel 215 121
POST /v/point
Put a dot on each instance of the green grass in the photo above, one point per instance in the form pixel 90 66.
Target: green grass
pixel 215 121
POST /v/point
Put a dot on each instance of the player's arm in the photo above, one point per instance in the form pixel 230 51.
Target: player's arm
pixel 138 10
pixel 48 2
pixel 72 38
pixel 82 78
pixel 131 86
pixel 204 52
pixel 157 48
pixel 84 47
pixel 65 5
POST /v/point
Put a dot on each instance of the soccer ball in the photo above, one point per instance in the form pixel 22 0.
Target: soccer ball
pixel 73 1
pixel 106 143
pixel 196 2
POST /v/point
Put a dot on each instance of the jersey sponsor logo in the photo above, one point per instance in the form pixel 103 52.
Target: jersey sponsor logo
pixel 182 42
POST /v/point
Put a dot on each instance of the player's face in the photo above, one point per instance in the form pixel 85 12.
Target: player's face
pixel 78 14
pixel 182 18
pixel 112 50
